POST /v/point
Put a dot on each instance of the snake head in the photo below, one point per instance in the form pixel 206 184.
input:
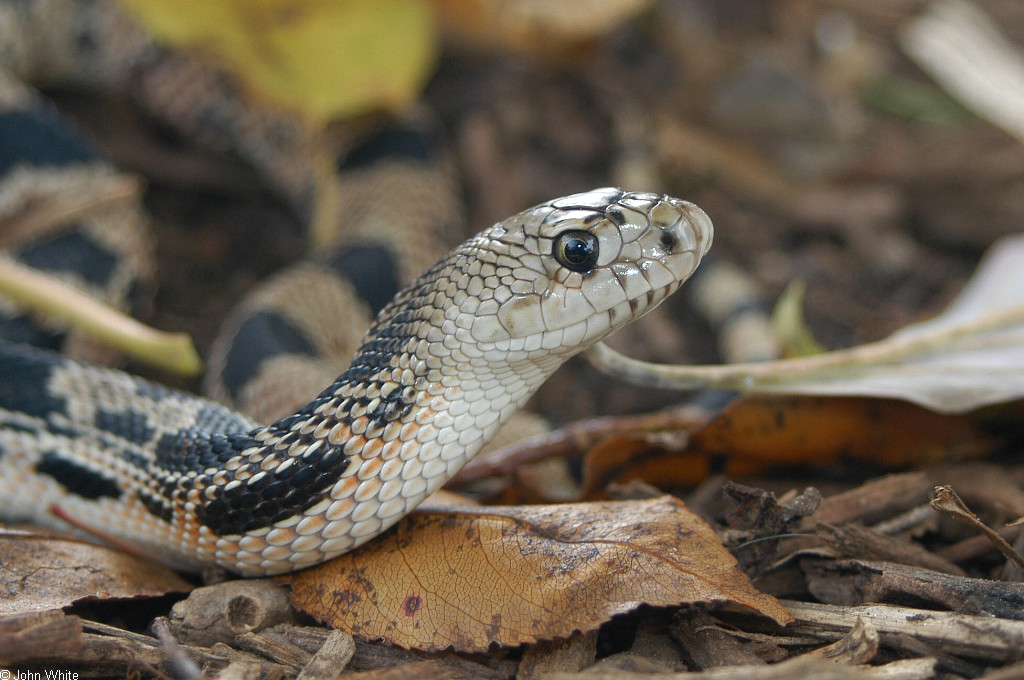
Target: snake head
pixel 566 273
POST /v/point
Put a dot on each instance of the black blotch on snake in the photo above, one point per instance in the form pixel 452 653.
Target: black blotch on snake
pixel 156 505
pixel 72 252
pixel 272 493
pixel 130 425
pixel 77 479
pixel 371 270
pixel 39 136
pixel 26 379
pixel 261 336
pixel 393 142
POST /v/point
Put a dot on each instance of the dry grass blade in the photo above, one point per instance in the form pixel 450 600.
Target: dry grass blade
pixel 42 293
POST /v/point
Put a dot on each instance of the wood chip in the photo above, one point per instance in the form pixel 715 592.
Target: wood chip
pixel 859 646
pixel 874 501
pixel 708 645
pixel 332 658
pixel 572 654
pixel 977 637
pixel 221 612
pixel 853 540
pixel 23 635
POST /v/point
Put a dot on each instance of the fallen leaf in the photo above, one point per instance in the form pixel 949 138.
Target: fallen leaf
pixel 40 572
pixel 529 26
pixel 960 45
pixel 762 432
pixel 758 433
pixel 329 59
pixel 970 356
pixel 468 577
pixel 624 458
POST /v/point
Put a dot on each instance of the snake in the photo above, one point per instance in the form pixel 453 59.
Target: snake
pixel 446 362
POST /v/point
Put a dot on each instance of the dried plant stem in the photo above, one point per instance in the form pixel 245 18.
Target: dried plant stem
pixel 761 376
pixel 42 293
pixel 947 501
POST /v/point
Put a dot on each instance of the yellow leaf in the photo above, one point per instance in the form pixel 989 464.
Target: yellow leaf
pixel 327 58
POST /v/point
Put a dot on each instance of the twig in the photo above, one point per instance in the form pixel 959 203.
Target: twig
pixel 574 438
pixel 947 501
pixel 183 666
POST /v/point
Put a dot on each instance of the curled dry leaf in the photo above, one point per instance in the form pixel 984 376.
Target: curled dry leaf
pixel 39 572
pixel 971 355
pixel 466 577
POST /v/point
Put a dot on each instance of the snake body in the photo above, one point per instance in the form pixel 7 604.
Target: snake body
pixel 446 362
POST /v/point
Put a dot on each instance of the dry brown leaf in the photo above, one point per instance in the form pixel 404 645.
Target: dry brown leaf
pixel 465 577
pixel 760 431
pixel 39 572
pixel 757 433
pixel 624 458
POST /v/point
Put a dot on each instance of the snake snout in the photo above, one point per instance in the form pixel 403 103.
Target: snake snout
pixel 679 236
pixel 694 229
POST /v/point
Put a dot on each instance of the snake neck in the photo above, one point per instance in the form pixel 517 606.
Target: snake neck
pixel 388 432
pixel 421 397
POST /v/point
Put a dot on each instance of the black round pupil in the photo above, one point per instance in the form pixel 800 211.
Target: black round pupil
pixel 577 250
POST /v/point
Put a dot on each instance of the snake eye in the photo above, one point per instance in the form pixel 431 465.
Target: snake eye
pixel 576 250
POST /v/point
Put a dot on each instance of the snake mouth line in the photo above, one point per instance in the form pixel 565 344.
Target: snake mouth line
pixel 658 295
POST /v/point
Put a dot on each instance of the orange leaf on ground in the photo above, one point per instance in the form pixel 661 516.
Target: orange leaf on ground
pixel 761 432
pixel 466 577
pixel 42 572
pixel 624 458
pixel 758 433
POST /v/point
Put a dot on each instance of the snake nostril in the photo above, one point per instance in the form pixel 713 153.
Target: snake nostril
pixel 668 241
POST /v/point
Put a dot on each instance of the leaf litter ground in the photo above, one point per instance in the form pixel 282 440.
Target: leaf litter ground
pixel 883 214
